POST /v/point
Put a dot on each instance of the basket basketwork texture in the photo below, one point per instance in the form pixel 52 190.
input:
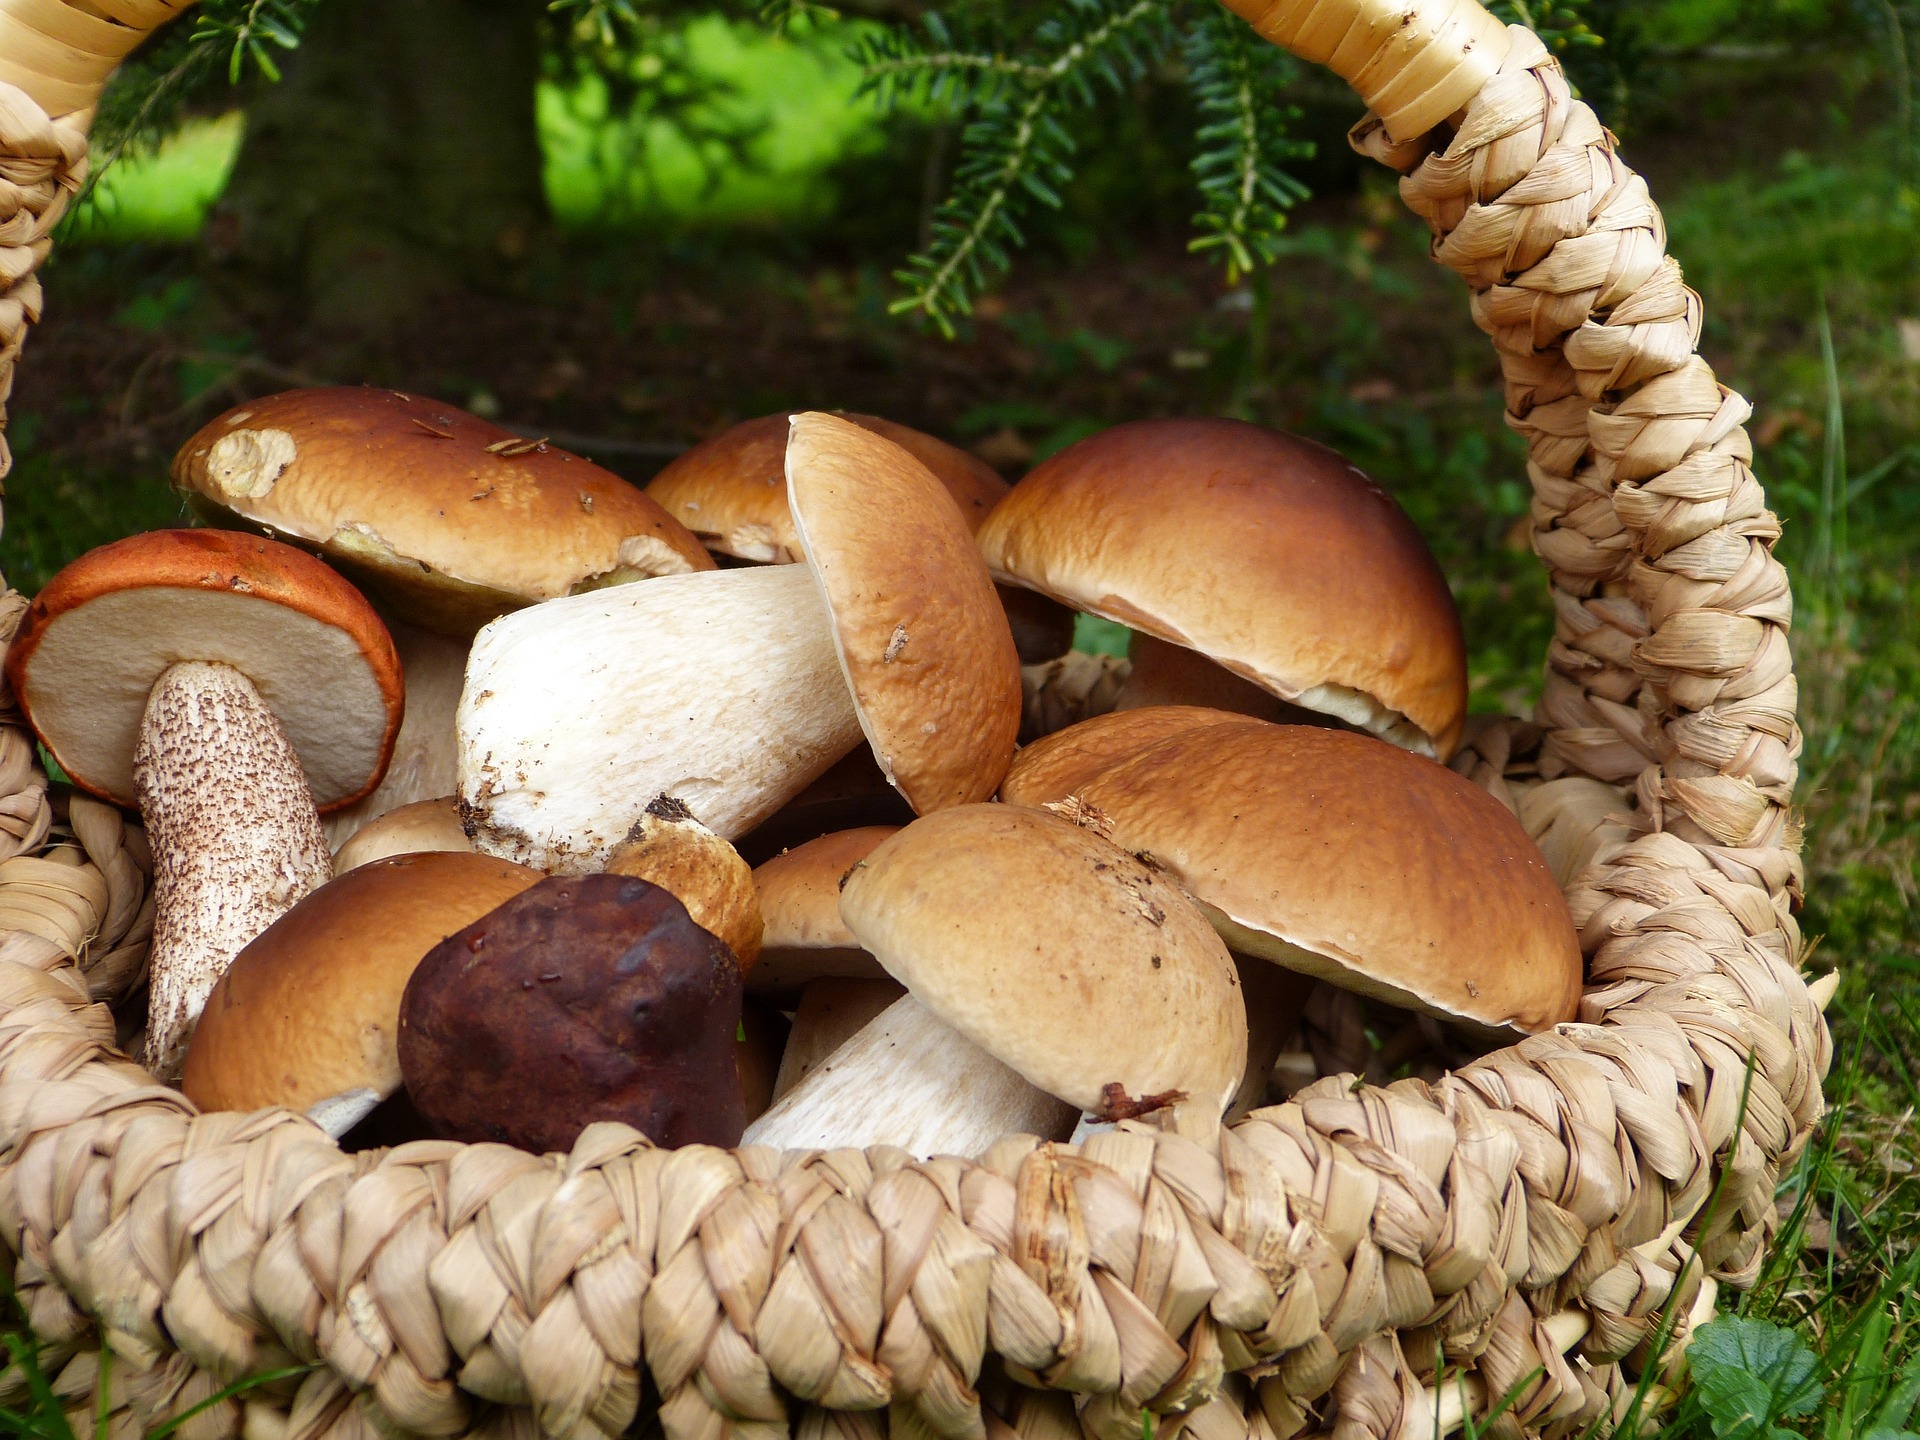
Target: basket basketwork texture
pixel 1362 1261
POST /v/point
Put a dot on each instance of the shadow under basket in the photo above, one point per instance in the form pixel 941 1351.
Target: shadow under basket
pixel 1362 1260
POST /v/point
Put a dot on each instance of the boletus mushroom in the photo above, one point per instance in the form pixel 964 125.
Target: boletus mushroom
pixel 1048 973
pixel 731 491
pixel 228 686
pixel 583 998
pixel 308 1015
pixel 1347 859
pixel 425 825
pixel 731 690
pixel 1268 554
pixel 445 520
pixel 702 871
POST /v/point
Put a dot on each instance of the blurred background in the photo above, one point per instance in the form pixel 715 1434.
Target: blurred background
pixel 627 224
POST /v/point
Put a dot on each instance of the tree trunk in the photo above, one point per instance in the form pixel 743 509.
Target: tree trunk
pixel 397 156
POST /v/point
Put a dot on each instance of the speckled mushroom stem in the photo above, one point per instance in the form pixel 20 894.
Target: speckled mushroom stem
pixel 236 839
pixel 909 1079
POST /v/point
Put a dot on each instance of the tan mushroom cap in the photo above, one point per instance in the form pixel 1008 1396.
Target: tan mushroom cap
pixel 1268 553
pixel 1332 853
pixel 920 635
pixel 1056 765
pixel 805 938
pixel 311 1009
pixel 449 519
pixel 731 490
pixel 424 826
pixel 1058 954
pixel 104 630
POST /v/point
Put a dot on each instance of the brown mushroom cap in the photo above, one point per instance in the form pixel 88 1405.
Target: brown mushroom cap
pixel 805 938
pixel 1056 765
pixel 921 638
pixel 1266 552
pixel 1338 855
pixel 731 490
pixel 311 1009
pixel 668 846
pixel 107 627
pixel 1056 953
pixel 419 828
pixel 448 518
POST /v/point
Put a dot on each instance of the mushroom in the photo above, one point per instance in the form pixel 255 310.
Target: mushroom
pixel 444 519
pixel 1160 673
pixel 810 959
pixel 730 691
pixel 731 491
pixel 702 871
pixel 583 998
pixel 1055 766
pixel 1047 972
pixel 1268 554
pixel 805 938
pixel 308 1015
pixel 425 825
pixel 1349 860
pixel 226 684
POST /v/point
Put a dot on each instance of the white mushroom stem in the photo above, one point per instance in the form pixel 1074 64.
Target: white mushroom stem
pixel 236 840
pixel 423 764
pixel 719 688
pixel 831 1012
pixel 909 1079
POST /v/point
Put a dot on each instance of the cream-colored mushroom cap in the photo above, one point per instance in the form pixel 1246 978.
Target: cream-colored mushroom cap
pixel 921 637
pixel 425 825
pixel 311 1009
pixel 1061 956
pixel 731 490
pixel 1269 554
pixel 449 519
pixel 1339 855
pixel 805 937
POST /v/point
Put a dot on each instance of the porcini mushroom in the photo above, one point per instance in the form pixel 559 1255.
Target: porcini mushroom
pixel 1055 766
pixel 805 939
pixel 1344 858
pixel 668 846
pixel 446 521
pixel 1034 953
pixel 730 691
pixel 584 998
pixel 731 491
pixel 425 825
pixel 308 1014
pixel 1269 554
pixel 227 685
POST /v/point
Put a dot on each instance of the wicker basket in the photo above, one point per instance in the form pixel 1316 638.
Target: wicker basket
pixel 1362 1261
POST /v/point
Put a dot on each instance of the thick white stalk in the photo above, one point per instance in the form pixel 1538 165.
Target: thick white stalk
pixel 236 840
pixel 909 1079
pixel 831 1012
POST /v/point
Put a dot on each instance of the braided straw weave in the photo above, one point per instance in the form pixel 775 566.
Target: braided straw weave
pixel 1524 1222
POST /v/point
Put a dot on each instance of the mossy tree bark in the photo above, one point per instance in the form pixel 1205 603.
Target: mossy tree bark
pixel 397 156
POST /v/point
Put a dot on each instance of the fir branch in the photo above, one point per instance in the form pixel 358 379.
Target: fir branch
pixel 1016 151
pixel 1243 143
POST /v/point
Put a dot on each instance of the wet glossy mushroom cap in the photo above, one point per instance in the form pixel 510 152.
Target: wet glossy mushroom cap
pixel 311 1009
pixel 1268 553
pixel 1351 860
pixel 805 938
pixel 921 638
pixel 451 519
pixel 104 630
pixel 731 490
pixel 1056 953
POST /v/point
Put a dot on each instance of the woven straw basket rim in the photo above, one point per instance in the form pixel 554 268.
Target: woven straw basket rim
pixel 1361 1261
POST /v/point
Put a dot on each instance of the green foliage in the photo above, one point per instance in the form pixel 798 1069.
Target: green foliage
pixel 1016 150
pixel 1751 1374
